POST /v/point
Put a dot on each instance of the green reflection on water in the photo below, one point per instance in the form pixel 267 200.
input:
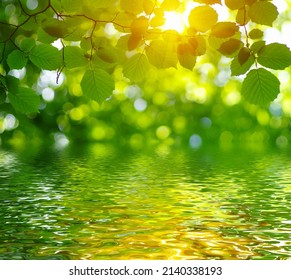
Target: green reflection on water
pixel 96 202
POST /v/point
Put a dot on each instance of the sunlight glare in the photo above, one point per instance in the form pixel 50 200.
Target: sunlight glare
pixel 174 21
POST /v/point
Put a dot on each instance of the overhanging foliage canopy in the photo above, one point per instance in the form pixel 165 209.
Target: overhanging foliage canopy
pixel 96 39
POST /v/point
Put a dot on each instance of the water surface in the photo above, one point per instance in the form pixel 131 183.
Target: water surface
pixel 99 202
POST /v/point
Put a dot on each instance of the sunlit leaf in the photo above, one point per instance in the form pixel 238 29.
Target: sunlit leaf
pixel 140 25
pixel 224 29
pixel 242 16
pixel 27 44
pixel 148 6
pixel 234 4
pixel 256 33
pixel 198 43
pixel 97 85
pixel 243 55
pixel 46 57
pixel 260 86
pixel 170 5
pixel 17 59
pixel 71 5
pixel 208 2
pixel 202 18
pixel 162 54
pixel 25 100
pixel 238 69
pixel 276 56
pixel 55 28
pixel 186 55
pixel 133 41
pixel 263 12
pixel 74 57
pixel 255 47
pixel 136 68
pixel 157 21
pixel 230 47
pixel 135 7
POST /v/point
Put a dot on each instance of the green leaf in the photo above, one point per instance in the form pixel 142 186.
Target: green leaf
pixel 12 84
pixel 136 68
pixel 17 60
pixel 260 87
pixel 224 29
pixel 256 33
pixel 275 56
pixel 46 57
pixel 27 44
pixel 25 100
pixel 134 7
pixel 263 12
pixel 186 55
pixel 2 94
pixel 162 54
pixel 55 27
pixel 97 84
pixel 238 69
pixel 257 46
pixel 74 57
pixel 231 46
pixel 202 18
pixel 234 4
pixel 243 55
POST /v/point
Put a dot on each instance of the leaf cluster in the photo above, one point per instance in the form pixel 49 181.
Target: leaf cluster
pixel 137 45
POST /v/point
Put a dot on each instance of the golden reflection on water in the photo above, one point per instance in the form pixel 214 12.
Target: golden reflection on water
pixel 101 204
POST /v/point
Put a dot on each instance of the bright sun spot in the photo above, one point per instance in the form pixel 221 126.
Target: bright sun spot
pixel 174 21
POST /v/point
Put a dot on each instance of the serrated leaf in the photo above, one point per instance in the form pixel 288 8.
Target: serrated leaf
pixel 46 57
pixel 17 60
pixel 260 87
pixel 97 84
pixel 275 56
pixel 256 33
pixel 136 68
pixel 238 69
pixel 202 18
pixel 224 29
pixel 74 57
pixel 25 100
pixel 162 54
pixel 234 4
pixel 263 12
